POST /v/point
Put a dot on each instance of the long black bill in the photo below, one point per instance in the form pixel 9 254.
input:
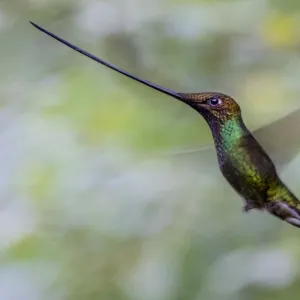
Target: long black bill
pixel 99 60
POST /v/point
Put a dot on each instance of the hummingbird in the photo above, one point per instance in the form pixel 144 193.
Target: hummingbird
pixel 242 160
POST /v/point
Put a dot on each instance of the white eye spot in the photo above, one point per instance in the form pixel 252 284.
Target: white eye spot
pixel 214 101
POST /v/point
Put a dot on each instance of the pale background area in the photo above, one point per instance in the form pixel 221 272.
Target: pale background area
pixel 92 205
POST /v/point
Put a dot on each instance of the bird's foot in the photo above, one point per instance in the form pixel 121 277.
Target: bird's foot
pixel 249 206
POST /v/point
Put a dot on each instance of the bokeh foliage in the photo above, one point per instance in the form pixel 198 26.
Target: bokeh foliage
pixel 92 204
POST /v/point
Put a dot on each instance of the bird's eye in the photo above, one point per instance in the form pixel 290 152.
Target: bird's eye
pixel 214 101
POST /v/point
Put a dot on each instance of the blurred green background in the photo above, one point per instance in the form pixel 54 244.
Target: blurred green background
pixel 92 204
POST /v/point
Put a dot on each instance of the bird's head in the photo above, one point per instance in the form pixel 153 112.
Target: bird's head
pixel 212 106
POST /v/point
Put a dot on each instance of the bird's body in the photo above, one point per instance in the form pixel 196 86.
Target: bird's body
pixel 242 160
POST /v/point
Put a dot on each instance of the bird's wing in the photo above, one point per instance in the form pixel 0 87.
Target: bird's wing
pixel 280 139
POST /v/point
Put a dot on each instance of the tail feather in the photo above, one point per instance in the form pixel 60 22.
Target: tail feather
pixel 286 210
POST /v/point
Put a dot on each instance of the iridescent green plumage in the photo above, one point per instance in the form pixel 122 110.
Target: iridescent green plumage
pixel 242 160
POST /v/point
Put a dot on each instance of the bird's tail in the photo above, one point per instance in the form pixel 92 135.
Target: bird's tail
pixel 284 205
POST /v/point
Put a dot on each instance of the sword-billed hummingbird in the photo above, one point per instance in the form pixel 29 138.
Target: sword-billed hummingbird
pixel 242 160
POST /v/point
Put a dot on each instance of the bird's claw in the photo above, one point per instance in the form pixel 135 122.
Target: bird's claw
pixel 249 206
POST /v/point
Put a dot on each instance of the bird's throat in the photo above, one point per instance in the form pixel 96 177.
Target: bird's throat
pixel 228 132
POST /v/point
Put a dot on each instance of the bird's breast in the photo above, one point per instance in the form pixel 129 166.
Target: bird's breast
pixel 249 172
